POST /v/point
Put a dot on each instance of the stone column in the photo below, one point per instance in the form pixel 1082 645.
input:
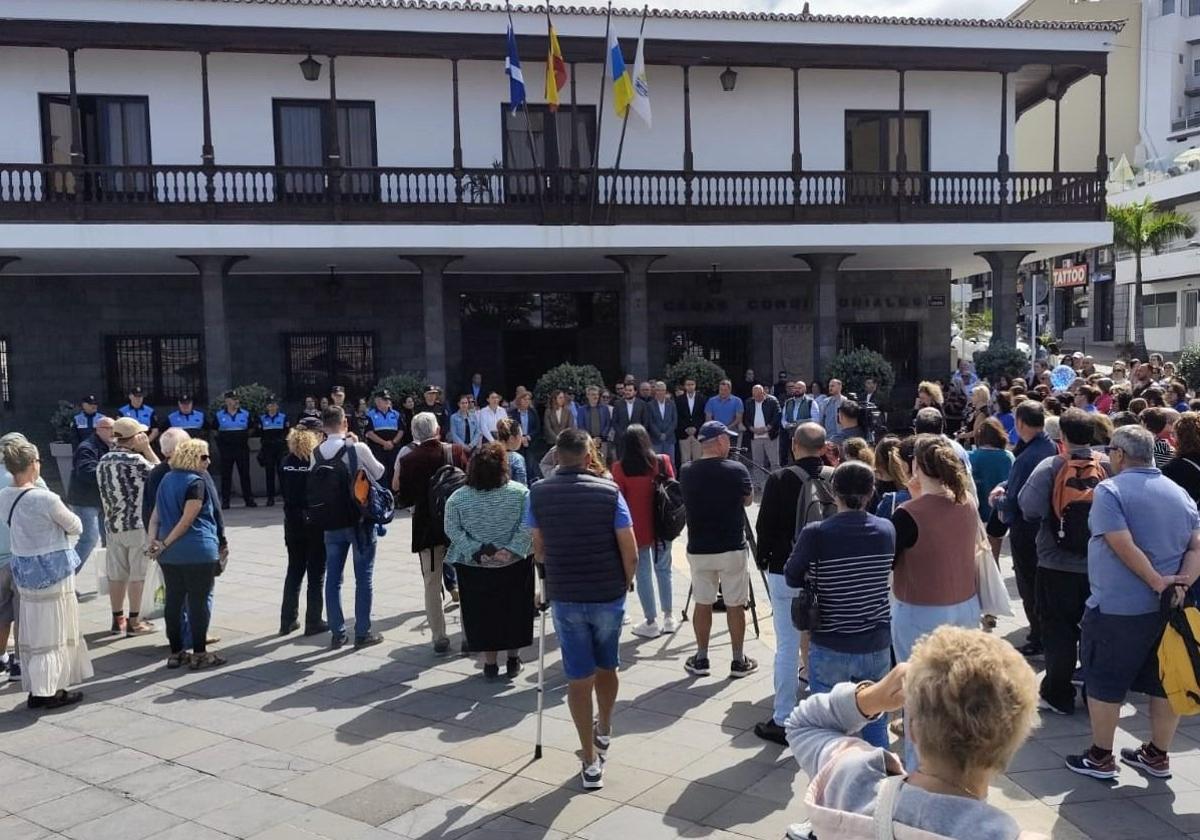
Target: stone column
pixel 218 363
pixel 825 269
pixel 1004 293
pixel 635 349
pixel 432 268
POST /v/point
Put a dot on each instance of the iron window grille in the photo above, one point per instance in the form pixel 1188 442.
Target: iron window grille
pixel 5 377
pixel 315 362
pixel 163 366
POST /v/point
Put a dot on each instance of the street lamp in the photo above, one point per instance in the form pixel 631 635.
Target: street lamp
pixel 728 79
pixel 310 68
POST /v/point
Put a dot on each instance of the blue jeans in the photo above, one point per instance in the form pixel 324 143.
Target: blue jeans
pixel 656 556
pixel 589 636
pixel 787 648
pixel 93 532
pixel 909 623
pixel 666 447
pixel 830 667
pixel 337 545
pixel 186 624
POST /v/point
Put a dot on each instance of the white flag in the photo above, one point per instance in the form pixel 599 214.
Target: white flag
pixel 641 87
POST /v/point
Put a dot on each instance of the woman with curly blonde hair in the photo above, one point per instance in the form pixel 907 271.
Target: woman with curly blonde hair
pixel 305 543
pixel 970 701
pixel 183 539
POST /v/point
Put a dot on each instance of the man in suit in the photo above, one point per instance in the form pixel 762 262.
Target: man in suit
pixel 829 412
pixel 689 411
pixel 629 409
pixel 475 389
pixel 661 421
pixel 783 388
pixel 526 418
pixel 797 410
pixel 595 418
pixel 873 416
pixel 762 420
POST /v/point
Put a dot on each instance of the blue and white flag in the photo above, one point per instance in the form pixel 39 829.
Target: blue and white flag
pixel 512 69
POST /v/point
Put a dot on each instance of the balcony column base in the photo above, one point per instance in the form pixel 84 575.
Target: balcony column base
pixel 433 298
pixel 825 268
pixel 1003 265
pixel 635 344
pixel 218 359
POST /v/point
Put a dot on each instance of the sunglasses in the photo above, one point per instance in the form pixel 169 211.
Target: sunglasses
pixel 205 457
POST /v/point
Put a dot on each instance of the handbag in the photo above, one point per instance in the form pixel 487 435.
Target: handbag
pixel 222 561
pixel 993 594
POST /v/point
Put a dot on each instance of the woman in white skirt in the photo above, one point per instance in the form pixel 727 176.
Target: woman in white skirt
pixel 53 653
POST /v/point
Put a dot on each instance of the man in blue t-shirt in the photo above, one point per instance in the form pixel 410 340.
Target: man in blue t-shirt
pixel 725 408
pixel 716 492
pixel 1145 540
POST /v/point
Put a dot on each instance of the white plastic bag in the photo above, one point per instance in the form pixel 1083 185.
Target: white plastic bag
pixel 100 561
pixel 154 593
pixel 993 594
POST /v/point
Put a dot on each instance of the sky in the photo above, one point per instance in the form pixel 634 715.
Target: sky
pixel 913 8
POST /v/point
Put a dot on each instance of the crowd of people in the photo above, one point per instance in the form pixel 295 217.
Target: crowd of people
pixel 877 550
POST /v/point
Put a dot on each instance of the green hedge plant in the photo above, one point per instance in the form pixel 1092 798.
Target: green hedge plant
pixel 253 398
pixel 1188 365
pixel 854 367
pixel 567 377
pixel 708 374
pixel 62 421
pixel 404 384
pixel 1000 360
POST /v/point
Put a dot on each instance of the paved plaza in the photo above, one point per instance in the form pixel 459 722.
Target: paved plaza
pixel 294 741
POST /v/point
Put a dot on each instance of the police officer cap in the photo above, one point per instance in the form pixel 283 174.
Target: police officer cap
pixel 310 423
pixel 89 400
pixel 432 389
pixel 231 395
pixel 385 394
pixel 135 391
pixel 185 398
pixel 337 389
pixel 272 399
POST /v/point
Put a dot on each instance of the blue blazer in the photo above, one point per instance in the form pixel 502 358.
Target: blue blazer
pixel 535 423
pixel 581 415
pixel 661 426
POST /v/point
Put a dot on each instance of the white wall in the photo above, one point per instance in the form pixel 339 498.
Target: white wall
pixel 749 128
pixel 1166 43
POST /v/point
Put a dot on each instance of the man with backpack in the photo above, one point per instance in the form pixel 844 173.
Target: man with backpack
pixel 1147 542
pixel 424 479
pixel 1059 495
pixel 792 498
pixel 336 465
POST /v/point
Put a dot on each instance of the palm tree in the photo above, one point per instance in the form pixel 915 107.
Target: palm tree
pixel 1139 226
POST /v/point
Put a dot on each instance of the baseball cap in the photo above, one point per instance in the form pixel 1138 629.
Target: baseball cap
pixel 713 429
pixel 127 427
pixel 90 399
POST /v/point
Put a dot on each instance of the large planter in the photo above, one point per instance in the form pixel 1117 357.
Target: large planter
pixel 63 455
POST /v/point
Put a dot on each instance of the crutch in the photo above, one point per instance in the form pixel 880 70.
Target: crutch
pixel 542 606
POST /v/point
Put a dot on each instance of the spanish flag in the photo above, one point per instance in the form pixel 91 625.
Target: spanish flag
pixel 622 83
pixel 556 69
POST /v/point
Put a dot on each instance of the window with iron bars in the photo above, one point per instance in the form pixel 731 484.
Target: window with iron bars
pixel 727 346
pixel 163 366
pixel 5 380
pixel 315 362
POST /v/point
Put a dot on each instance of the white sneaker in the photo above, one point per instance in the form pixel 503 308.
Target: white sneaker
pixel 669 624
pixel 800 831
pixel 592 776
pixel 648 630
pixel 625 619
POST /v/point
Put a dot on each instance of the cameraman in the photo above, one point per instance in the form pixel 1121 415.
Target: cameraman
pixel 777 527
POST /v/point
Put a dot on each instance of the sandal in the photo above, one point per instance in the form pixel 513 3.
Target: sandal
pixel 202 661
pixel 178 660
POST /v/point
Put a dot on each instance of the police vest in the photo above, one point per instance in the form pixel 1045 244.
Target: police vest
pixel 227 422
pixel 384 421
pixel 191 420
pixel 85 421
pixel 143 415
pixel 273 424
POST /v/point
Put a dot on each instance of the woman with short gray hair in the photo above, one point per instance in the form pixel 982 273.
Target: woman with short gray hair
pixel 52 650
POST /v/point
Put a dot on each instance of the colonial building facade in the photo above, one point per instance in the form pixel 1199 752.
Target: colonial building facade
pixel 196 194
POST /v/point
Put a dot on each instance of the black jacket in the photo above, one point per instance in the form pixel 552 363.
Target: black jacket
pixel 694 419
pixel 772 415
pixel 85 490
pixel 776 524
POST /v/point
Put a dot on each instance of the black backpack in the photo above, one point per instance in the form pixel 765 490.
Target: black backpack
pixel 670 514
pixel 442 485
pixel 329 504
pixel 815 503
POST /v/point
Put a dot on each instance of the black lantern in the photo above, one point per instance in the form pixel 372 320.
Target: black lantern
pixel 715 281
pixel 333 286
pixel 310 68
pixel 728 79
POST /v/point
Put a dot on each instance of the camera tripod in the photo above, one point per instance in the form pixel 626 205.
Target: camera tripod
pixel 752 542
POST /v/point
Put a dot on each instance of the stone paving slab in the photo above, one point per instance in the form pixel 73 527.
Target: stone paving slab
pixel 294 741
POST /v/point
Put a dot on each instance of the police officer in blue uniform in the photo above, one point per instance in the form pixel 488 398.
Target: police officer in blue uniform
pixel 188 418
pixel 139 411
pixel 85 420
pixel 383 434
pixel 273 428
pixel 233 440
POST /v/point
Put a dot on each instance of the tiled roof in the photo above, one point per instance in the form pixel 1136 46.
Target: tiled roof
pixel 804 16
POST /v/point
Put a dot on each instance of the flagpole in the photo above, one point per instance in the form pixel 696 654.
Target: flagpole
pixel 537 170
pixel 612 184
pixel 600 118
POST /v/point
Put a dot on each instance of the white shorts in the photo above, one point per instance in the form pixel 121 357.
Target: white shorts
pixel 726 573
pixel 126 558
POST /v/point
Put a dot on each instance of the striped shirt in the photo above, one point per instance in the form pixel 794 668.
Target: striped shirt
pixel 848 557
pixel 121 475
pixel 1163 452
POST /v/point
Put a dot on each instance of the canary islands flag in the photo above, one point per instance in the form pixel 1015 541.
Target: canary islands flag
pixel 622 83
pixel 512 69
pixel 556 71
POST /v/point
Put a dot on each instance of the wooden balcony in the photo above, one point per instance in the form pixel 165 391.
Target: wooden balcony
pixel 417 195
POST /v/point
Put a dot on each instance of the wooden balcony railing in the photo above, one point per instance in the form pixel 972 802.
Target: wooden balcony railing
pixel 39 192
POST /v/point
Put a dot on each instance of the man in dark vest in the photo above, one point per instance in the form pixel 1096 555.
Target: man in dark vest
pixel 583 537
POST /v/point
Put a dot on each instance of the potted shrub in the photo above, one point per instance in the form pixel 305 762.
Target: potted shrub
pixel 62 444
pixel 1189 365
pixel 707 374
pixel 1000 360
pixel 403 384
pixel 855 367
pixel 567 377
pixel 253 398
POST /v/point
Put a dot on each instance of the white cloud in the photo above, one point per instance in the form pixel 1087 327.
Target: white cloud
pixel 898 8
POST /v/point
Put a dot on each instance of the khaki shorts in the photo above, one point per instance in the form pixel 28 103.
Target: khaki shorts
pixel 126 558
pixel 726 572
pixel 9 604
